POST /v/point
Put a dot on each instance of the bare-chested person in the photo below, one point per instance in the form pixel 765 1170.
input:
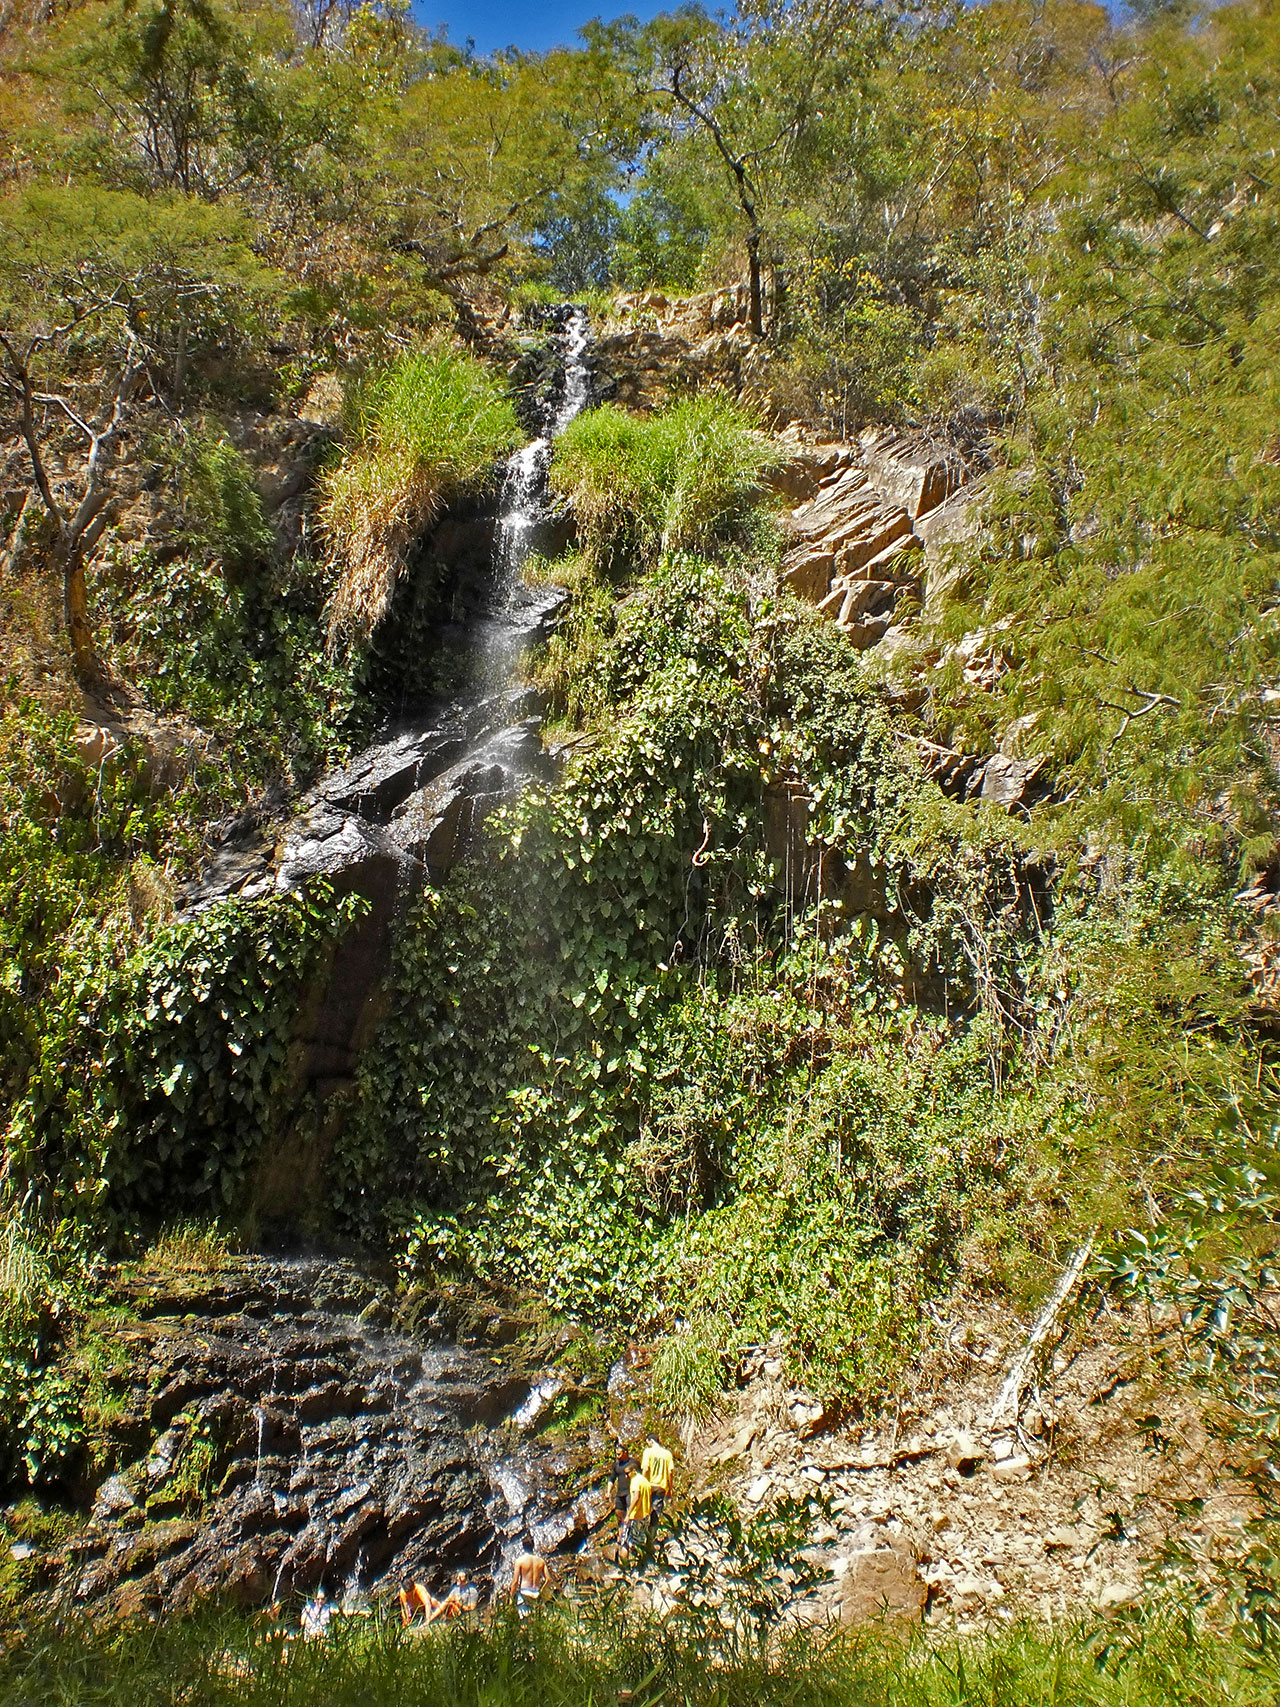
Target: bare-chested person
pixel 528 1575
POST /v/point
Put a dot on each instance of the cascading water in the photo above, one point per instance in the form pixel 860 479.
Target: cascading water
pixel 399 800
pixel 381 1457
pixel 353 1457
pixel 524 490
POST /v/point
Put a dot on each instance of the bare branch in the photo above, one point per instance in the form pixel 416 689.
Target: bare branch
pixel 22 376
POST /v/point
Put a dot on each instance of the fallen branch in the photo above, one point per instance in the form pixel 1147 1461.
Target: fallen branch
pixel 1015 1380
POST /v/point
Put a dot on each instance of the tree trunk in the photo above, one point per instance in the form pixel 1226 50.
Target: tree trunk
pixel 757 295
pixel 75 600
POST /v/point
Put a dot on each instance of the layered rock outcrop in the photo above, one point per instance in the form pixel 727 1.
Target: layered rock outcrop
pixel 654 346
pixel 868 522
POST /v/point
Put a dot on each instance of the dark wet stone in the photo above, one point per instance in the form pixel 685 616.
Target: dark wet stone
pixel 375 783
pixel 341 1450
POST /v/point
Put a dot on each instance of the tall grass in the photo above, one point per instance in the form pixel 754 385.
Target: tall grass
pixel 28 1286
pixel 189 1247
pixel 25 1276
pixel 551 1662
pixel 688 1372
pixel 680 480
pixel 427 426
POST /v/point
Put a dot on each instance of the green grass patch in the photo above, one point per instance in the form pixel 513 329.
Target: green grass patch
pixel 554 1660
pixel 426 426
pixel 189 1247
pixel 684 479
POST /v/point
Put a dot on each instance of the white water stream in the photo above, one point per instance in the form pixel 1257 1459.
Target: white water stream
pixel 524 488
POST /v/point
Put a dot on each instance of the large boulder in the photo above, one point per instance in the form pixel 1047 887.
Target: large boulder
pixel 857 525
pixel 917 472
pixel 882 1583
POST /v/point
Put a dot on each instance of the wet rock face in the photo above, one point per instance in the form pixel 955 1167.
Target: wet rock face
pixel 339 825
pixel 398 816
pixel 283 1438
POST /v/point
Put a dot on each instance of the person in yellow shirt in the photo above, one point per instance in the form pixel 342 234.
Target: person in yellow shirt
pixel 658 1468
pixel 638 1508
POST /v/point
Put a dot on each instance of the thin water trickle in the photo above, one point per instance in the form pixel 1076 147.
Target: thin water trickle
pixel 352 1590
pixel 524 489
pixel 262 1427
pixel 512 1488
pixel 540 1396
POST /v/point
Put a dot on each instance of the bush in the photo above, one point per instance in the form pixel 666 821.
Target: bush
pixel 430 424
pixel 223 502
pixel 41 1414
pixel 688 1370
pixel 159 1069
pixel 681 480
pixel 804 1268
pixel 243 656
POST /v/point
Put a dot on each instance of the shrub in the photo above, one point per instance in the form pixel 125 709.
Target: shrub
pixel 681 480
pixel 223 502
pixel 804 1268
pixel 430 424
pixel 40 1412
pixel 688 1370
pixel 160 1068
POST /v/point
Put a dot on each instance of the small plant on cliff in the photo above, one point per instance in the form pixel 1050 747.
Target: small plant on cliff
pixel 430 424
pixel 189 1247
pixel 677 481
pixel 223 504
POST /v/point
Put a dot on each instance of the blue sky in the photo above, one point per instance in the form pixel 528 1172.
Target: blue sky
pixel 508 23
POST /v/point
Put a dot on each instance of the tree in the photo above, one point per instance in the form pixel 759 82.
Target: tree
pixel 750 92
pixel 325 23
pixel 477 158
pixel 105 300
pixel 206 97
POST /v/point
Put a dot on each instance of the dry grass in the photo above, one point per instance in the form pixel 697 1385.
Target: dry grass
pixel 189 1247
pixel 430 425
pixel 35 663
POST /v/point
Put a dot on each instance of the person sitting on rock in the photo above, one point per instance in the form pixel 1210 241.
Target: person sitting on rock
pixel 638 1508
pixel 462 1597
pixel 658 1468
pixel 528 1575
pixel 418 1598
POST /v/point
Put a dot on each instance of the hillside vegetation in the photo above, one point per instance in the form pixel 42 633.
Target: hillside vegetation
pixel 260 275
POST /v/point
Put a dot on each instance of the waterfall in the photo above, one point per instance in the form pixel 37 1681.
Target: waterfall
pixel 524 487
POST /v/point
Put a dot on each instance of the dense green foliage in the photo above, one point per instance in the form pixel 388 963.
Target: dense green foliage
pixel 677 481
pixel 617 1021
pixel 744 1029
pixel 1133 560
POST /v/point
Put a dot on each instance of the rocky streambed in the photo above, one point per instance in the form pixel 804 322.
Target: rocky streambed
pixel 280 1437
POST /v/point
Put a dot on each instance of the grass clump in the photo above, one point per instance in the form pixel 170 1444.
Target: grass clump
pixel 190 1247
pixel 223 503
pixel 688 1370
pixel 428 425
pixel 684 479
